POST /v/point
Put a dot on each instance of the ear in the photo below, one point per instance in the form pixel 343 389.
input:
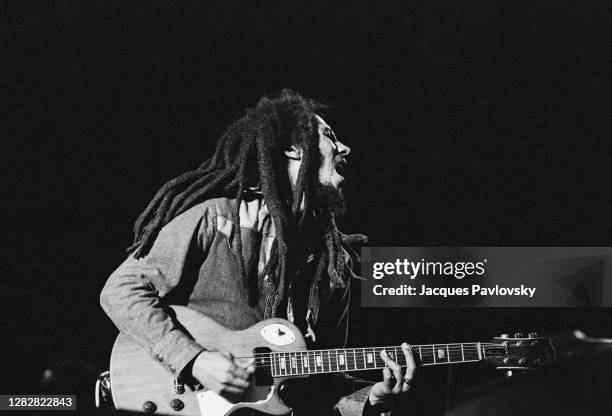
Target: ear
pixel 294 153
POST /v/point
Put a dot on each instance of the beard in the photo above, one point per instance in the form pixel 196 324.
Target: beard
pixel 327 199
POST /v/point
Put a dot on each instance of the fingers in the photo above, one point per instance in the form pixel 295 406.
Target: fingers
pixel 233 381
pixel 388 379
pixel 240 373
pixel 396 369
pixel 410 366
pixel 235 375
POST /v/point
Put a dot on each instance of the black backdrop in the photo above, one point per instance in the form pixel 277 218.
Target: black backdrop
pixel 471 122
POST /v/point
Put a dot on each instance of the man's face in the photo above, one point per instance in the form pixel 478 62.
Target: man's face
pixel 333 156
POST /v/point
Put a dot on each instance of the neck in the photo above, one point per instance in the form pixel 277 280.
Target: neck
pixel 355 359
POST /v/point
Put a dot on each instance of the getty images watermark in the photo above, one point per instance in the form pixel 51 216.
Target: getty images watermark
pixel 486 276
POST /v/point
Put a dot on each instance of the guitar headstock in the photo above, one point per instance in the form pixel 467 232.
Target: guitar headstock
pixel 519 352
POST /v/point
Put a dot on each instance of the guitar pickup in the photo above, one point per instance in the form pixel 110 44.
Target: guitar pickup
pixel 263 366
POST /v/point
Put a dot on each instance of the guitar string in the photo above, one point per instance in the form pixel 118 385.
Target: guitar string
pixel 347 366
pixel 457 347
pixel 360 357
pixel 454 347
pixel 268 363
pixel 348 356
pixel 378 364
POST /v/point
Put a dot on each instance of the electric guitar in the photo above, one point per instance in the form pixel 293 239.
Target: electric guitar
pixel 277 350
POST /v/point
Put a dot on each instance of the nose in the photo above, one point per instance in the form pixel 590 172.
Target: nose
pixel 343 149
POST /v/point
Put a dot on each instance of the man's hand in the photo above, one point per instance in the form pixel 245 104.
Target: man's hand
pixel 395 381
pixel 220 373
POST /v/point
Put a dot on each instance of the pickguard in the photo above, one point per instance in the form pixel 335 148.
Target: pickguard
pixel 278 334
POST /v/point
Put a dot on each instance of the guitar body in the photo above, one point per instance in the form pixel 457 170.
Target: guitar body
pixel 136 378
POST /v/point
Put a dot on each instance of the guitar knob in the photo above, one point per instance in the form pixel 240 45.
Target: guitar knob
pixel 518 335
pixel 533 335
pixel 506 360
pixel 149 407
pixel 504 336
pixel 522 361
pixel 177 405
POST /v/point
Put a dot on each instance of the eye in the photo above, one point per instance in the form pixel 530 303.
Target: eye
pixel 330 134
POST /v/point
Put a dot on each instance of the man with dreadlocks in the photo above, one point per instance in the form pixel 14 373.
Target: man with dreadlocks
pixel 249 235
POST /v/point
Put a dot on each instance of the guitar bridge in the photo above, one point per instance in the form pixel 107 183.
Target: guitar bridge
pixel 179 385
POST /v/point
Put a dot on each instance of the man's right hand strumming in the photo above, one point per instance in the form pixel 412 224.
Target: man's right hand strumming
pixel 219 372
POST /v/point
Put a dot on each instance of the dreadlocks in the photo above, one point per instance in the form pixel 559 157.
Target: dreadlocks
pixel 251 154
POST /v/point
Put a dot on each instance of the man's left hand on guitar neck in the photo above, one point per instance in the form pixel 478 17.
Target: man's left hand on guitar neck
pixel 395 383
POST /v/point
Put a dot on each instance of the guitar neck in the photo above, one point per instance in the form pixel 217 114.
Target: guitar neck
pixel 284 364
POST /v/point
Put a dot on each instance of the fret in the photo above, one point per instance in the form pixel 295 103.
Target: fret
pixel 333 356
pixel 423 355
pixel 471 353
pixel 319 361
pixel 298 357
pixel 440 353
pixel 433 353
pixel 293 359
pixel 329 360
pixel 287 363
pixel 342 359
pixel 399 356
pixel 283 364
pixel 305 365
pixel 448 353
pixel 312 361
pixel 460 354
pixel 337 365
pixel 370 359
pixel 323 361
pixel 354 360
pixel 453 353
pixel 273 361
pixel 364 358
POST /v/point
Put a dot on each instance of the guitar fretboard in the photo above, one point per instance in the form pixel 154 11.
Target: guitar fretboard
pixel 355 359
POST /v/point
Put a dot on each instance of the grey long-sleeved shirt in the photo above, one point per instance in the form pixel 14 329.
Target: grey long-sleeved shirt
pixel 193 262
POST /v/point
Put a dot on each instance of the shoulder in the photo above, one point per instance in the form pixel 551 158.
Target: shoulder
pixel 220 212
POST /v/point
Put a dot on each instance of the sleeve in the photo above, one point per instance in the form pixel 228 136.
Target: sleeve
pixel 335 394
pixel 133 294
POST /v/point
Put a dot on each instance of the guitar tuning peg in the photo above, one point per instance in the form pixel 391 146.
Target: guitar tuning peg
pixel 518 335
pixel 532 335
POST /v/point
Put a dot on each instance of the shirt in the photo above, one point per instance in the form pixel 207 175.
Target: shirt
pixel 193 262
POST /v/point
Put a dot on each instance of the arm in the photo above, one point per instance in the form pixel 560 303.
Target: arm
pixel 132 296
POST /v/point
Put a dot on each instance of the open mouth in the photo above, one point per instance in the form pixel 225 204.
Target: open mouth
pixel 340 165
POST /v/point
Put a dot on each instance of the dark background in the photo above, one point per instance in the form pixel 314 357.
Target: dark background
pixel 471 122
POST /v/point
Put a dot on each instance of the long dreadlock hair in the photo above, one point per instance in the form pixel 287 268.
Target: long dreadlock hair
pixel 251 154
